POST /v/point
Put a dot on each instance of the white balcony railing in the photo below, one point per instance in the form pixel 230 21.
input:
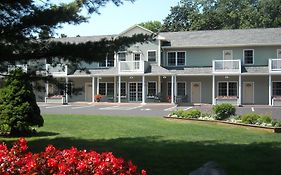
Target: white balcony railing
pixel 274 65
pixel 56 70
pixel 131 67
pixel 13 67
pixel 226 66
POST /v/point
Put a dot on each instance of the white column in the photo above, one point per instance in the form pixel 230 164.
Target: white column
pixel 47 91
pixel 176 88
pixel 66 94
pixel 47 88
pixel 143 89
pixel 159 85
pixel 270 90
pixel 172 89
pixel 214 90
pixel 115 84
pixel 93 89
pixel 119 89
pixel 240 91
pixel 98 85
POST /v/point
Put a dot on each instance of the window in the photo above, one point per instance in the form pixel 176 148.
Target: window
pixel 137 56
pixel 151 56
pixel 108 61
pixel 176 58
pixel 169 88
pixel 123 89
pixel 249 56
pixel 227 89
pixel 181 88
pixel 122 56
pixel 276 89
pixel 181 58
pixel 151 89
pixel 102 88
pixel 110 89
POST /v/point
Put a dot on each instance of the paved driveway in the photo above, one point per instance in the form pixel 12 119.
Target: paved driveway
pixel 136 109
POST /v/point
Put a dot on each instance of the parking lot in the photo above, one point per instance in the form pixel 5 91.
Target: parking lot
pixel 137 109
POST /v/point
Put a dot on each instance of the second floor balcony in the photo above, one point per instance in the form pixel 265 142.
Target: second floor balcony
pixel 274 65
pixel 226 66
pixel 132 67
pixel 13 67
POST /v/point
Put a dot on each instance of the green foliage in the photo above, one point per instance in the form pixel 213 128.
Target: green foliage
pixel 223 14
pixel 276 123
pixel 192 113
pixel 250 118
pixel 223 111
pixel 154 26
pixel 19 111
pixel 264 119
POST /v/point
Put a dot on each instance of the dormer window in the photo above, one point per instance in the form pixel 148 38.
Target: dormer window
pixel 137 56
pixel 151 56
pixel 248 56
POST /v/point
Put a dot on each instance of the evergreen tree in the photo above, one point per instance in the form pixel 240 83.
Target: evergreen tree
pixel 19 111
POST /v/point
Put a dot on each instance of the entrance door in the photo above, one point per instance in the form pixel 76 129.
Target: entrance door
pixel 135 92
pixel 227 55
pixel 88 92
pixel 248 92
pixel 195 92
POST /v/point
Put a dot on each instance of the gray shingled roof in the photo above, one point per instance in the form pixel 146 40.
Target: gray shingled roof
pixel 158 70
pixel 84 39
pixel 194 71
pixel 220 38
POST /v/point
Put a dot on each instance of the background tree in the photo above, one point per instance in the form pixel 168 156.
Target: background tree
pixel 154 26
pixel 18 109
pixel 22 22
pixel 223 14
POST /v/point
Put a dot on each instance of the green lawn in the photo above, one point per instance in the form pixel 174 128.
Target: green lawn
pixel 165 147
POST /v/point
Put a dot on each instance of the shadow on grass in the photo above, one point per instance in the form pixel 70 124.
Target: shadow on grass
pixel 160 157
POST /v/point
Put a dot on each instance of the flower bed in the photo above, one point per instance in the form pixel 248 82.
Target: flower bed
pixel 61 162
pixel 225 114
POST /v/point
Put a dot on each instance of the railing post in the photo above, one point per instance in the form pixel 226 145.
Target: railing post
pixel 214 66
pixel 240 68
pixel 270 65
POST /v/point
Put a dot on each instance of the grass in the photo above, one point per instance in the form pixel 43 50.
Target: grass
pixel 162 146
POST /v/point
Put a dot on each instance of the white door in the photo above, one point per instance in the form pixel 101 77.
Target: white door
pixel 227 55
pixel 195 92
pixel 88 92
pixel 248 93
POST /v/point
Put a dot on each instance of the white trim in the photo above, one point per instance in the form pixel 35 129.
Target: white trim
pixel 277 52
pixel 253 85
pixel 176 57
pixel 219 46
pixel 231 51
pixel 244 56
pixel 156 56
pixel 134 26
pixel 227 86
pixel 191 85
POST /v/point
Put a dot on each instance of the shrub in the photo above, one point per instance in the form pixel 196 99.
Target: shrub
pixel 276 123
pixel 223 111
pixel 54 161
pixel 250 118
pixel 18 108
pixel 264 119
pixel 192 113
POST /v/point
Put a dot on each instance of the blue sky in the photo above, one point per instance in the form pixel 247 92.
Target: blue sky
pixel 114 20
